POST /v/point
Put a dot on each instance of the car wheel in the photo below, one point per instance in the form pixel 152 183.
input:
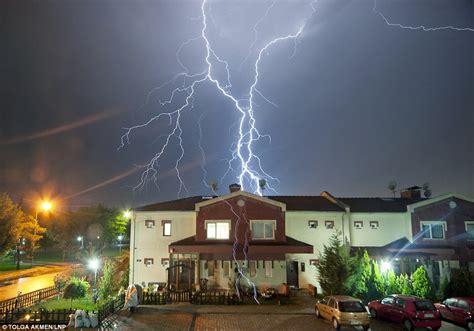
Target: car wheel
pixel 373 313
pixel 336 324
pixel 317 312
pixel 408 325
pixel 470 325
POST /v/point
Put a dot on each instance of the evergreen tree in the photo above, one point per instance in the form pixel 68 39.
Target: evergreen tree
pixel 391 284
pixel 404 285
pixel 335 266
pixel 421 282
pixel 362 277
pixel 106 283
pixel 378 280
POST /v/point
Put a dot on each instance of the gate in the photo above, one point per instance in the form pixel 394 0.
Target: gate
pixel 180 279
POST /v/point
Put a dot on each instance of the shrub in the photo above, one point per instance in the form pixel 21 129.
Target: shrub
pixel 76 288
pixel 461 284
pixel 106 283
pixel 421 283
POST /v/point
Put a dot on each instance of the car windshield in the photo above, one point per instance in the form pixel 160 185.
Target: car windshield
pixel 351 306
pixel 424 305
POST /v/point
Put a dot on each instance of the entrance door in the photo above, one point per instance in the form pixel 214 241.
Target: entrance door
pixel 292 273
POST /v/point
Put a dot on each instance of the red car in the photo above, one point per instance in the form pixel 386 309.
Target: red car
pixel 411 311
pixel 458 310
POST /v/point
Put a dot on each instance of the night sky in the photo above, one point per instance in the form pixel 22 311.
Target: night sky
pixel 359 103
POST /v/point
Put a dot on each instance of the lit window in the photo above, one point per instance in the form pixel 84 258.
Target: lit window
pixel 268 268
pixel 433 230
pixel 166 228
pixel 263 229
pixel 470 230
pixel 253 268
pixel 217 230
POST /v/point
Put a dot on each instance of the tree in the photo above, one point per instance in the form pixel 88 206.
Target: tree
pixel 60 282
pixel 404 284
pixel 378 281
pixel 76 289
pixel 29 229
pixel 106 283
pixel 362 276
pixel 461 284
pixel 421 282
pixel 335 266
pixel 10 216
pixel 391 283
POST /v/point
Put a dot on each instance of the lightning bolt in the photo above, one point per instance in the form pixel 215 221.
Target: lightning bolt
pixel 249 168
pixel 419 27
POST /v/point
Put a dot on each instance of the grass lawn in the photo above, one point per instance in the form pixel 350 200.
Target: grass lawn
pixel 10 265
pixel 53 303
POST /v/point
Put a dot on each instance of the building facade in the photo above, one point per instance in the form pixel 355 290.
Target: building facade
pixel 214 242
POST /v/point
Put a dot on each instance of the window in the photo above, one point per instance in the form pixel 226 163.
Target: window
pixel 433 230
pixel 329 224
pixel 387 301
pixel 450 302
pixel 226 268
pixel 148 261
pixel 312 224
pixel 470 230
pixel 374 224
pixel 400 303
pixel 268 268
pixel 166 228
pixel 252 268
pixel 325 301
pixel 217 230
pixel 150 224
pixel 303 267
pixel 332 303
pixel 358 224
pixel 165 262
pixel 463 305
pixel 263 229
pixel 313 262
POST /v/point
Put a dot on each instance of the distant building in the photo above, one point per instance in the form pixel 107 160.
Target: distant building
pixel 277 239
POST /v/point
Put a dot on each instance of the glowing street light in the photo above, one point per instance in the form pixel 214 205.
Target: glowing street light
pixel 44 206
pixel 81 239
pixel 127 214
pixel 120 237
pixel 94 265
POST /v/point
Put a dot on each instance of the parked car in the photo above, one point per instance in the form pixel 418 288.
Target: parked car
pixel 411 311
pixel 459 310
pixel 343 310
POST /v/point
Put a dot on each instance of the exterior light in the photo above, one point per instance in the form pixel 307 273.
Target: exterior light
pixel 120 237
pixel 46 205
pixel 79 238
pixel 127 214
pixel 386 266
pixel 94 264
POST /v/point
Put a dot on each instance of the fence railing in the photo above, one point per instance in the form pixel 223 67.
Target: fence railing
pixel 28 299
pixel 158 298
pixel 215 298
pixel 110 307
pixel 27 316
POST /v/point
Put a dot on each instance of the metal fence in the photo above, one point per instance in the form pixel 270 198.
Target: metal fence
pixel 215 298
pixel 27 316
pixel 28 299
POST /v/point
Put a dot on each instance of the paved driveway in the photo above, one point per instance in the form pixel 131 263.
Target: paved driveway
pixel 271 318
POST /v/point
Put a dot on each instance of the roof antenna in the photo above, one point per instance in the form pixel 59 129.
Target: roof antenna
pixel 262 183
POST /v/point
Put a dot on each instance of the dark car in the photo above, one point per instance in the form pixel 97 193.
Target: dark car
pixel 411 311
pixel 459 310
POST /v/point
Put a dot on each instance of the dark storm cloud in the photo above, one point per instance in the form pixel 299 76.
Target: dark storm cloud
pixel 359 103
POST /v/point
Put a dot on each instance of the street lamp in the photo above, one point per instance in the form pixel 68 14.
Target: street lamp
pixel 120 237
pixel 44 206
pixel 127 214
pixel 81 239
pixel 94 265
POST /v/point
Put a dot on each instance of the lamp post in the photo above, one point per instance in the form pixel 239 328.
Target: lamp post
pixel 120 237
pixel 44 206
pixel 81 239
pixel 94 265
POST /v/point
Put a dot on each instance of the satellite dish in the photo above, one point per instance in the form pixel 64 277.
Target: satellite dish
pixel 213 185
pixel 427 193
pixel 426 186
pixel 262 183
pixel 392 185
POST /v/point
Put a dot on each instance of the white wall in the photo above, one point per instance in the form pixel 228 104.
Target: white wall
pixel 150 243
pixel 392 226
pixel 296 224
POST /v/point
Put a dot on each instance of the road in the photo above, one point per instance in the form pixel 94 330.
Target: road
pixel 10 288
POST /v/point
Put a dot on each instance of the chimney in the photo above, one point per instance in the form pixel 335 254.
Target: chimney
pixel 234 187
pixel 413 192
